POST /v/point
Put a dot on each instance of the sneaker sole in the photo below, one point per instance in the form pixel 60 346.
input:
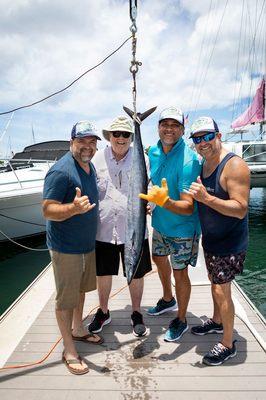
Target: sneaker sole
pixel 107 321
pixel 206 362
pixel 163 311
pixel 143 334
pixel 174 340
pixel 206 333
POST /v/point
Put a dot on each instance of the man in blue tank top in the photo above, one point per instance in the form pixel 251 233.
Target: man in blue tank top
pixel 174 219
pixel 70 206
pixel 222 193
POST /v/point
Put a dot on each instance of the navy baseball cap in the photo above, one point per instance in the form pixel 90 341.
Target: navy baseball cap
pixel 84 129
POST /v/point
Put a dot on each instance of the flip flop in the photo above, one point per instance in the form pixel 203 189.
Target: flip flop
pixel 74 361
pixel 86 338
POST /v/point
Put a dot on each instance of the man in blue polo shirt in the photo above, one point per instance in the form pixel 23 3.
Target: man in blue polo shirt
pixel 70 206
pixel 174 219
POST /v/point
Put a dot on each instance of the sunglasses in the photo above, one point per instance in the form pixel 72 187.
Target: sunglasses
pixel 119 134
pixel 207 138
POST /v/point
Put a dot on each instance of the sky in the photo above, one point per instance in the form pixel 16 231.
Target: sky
pixel 205 57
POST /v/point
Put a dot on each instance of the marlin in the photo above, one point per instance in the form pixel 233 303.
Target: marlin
pixel 136 208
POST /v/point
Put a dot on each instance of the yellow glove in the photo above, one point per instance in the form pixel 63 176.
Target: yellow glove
pixel 157 195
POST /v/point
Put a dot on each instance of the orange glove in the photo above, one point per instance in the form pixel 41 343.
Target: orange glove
pixel 157 195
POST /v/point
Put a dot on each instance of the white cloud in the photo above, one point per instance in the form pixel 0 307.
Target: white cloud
pixel 45 44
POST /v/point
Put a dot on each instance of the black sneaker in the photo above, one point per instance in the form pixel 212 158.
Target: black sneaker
pixel 100 319
pixel 219 354
pixel 139 329
pixel 208 326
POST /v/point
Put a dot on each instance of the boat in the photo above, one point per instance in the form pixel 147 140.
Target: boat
pixel 21 186
pixel 252 151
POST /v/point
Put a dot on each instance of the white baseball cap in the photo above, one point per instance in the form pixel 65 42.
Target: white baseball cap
pixel 204 124
pixel 173 113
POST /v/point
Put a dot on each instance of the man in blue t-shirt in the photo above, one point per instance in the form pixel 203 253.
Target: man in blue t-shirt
pixel 70 205
pixel 174 219
pixel 222 193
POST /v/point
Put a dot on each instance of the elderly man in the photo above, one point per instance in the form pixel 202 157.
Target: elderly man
pixel 222 193
pixel 174 219
pixel 70 203
pixel 113 169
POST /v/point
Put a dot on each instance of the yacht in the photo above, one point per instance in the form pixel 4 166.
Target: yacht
pixel 21 186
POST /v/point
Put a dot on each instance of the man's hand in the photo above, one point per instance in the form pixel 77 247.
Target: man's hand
pixel 157 195
pixel 81 203
pixel 198 191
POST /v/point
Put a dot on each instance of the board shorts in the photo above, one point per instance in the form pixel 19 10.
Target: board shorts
pixel 182 251
pixel 223 269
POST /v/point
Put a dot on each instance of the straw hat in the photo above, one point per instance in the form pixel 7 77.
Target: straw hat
pixel 119 124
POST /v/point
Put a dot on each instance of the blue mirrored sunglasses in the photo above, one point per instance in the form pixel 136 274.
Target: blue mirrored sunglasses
pixel 207 138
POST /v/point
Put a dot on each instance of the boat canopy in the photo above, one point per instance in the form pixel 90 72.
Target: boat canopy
pixel 51 151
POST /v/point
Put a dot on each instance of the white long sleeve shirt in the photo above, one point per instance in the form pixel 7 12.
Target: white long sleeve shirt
pixel 113 184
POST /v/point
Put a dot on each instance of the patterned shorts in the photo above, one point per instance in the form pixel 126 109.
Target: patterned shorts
pixel 182 251
pixel 223 269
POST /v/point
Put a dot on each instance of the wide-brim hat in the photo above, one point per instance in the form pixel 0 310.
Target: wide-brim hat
pixel 84 129
pixel 203 124
pixel 119 124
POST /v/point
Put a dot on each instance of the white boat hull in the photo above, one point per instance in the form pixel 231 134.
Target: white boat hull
pixel 24 207
pixel 20 202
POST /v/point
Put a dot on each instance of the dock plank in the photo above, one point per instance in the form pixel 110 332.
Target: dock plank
pixel 128 368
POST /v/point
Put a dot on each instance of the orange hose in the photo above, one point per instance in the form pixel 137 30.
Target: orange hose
pixel 60 338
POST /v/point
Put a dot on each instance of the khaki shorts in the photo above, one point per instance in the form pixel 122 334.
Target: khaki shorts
pixel 74 273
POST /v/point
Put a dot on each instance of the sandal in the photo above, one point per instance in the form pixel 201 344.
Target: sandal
pixel 74 361
pixel 89 338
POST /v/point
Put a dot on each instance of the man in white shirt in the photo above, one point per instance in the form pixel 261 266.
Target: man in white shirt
pixel 113 169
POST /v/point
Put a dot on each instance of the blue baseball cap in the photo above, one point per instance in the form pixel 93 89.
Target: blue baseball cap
pixel 84 129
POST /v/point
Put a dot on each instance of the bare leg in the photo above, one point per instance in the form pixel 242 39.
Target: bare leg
pixel 222 295
pixel 183 290
pixel 78 328
pixel 216 313
pixel 64 320
pixel 164 271
pixel 136 291
pixel 104 284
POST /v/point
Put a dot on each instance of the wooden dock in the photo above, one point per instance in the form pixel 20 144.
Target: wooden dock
pixel 128 368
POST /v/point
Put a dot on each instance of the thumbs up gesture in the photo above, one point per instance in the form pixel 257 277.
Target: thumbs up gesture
pixel 157 195
pixel 198 191
pixel 82 203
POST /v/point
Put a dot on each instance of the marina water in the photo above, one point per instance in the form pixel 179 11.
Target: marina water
pixel 19 267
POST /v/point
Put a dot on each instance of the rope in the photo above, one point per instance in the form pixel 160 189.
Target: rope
pixel 60 338
pixel 68 86
pixel 19 244
pixel 21 220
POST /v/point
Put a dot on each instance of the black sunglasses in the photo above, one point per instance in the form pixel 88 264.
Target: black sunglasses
pixel 207 138
pixel 119 134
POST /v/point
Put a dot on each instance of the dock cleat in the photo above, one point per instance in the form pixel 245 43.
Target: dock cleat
pixel 162 306
pixel 208 326
pixel 219 354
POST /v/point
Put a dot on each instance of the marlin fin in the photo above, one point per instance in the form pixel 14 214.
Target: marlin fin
pixel 141 116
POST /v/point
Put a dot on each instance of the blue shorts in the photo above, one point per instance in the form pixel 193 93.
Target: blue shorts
pixel 182 251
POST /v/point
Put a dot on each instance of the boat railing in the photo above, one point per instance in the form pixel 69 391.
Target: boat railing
pixel 14 164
